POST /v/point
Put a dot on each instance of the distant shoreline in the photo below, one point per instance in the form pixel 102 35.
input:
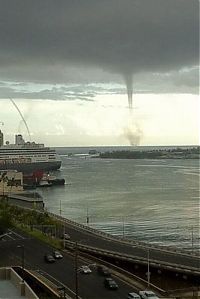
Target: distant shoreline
pixel 102 149
pixel 177 153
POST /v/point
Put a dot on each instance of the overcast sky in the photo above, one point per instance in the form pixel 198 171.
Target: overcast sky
pixel 66 64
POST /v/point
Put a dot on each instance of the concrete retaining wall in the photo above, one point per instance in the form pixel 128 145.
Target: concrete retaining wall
pixel 25 201
pixel 17 281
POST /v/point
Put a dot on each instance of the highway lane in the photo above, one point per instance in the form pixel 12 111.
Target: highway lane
pixel 89 286
pixel 99 241
pixel 163 257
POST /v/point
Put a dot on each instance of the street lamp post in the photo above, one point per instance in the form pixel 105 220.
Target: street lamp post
pixel 76 269
pixel 22 256
pixel 125 223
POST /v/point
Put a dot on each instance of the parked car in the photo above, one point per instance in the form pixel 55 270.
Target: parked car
pixel 49 258
pixel 147 295
pixel 57 254
pixel 110 284
pixel 85 270
pixel 104 271
pixel 133 295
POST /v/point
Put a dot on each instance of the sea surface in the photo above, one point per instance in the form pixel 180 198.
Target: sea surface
pixel 154 201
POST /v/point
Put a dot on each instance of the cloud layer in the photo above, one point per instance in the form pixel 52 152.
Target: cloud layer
pixel 44 40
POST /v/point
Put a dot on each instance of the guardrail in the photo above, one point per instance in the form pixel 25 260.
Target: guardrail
pixel 145 245
pixel 87 228
pixel 54 286
pixel 128 241
pixel 156 263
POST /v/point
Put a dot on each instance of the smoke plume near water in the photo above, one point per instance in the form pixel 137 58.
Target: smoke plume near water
pixel 133 131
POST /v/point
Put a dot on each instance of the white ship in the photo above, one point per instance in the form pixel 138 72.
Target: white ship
pixel 27 157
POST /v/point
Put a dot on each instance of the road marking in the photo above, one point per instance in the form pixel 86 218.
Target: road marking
pixel 57 281
pixel 18 235
pixel 11 236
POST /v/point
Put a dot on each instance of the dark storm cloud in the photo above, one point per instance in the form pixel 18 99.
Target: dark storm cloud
pixel 42 40
pixel 53 93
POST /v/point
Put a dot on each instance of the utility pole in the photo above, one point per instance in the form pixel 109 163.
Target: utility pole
pixel 87 218
pixel 192 239
pixel 22 257
pixel 3 188
pixel 148 273
pixel 64 293
pixel 62 288
pixel 76 269
pixel 60 208
pixel 123 227
pixel 64 236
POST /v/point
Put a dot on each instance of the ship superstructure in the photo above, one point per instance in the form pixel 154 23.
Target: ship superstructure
pixel 27 156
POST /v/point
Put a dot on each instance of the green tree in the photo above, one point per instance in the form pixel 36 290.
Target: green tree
pixel 5 220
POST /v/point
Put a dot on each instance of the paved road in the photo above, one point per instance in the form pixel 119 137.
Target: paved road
pixel 163 256
pixel 90 286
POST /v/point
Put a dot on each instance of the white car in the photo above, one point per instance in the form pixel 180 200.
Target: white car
pixel 85 270
pixel 147 295
pixel 133 295
pixel 66 236
pixel 57 254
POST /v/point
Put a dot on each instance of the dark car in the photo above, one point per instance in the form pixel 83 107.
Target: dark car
pixel 104 271
pixel 49 258
pixel 110 284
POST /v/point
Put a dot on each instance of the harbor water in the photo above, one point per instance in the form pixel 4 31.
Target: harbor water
pixel 154 201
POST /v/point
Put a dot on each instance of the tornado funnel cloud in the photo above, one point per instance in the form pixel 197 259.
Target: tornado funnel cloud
pixel 129 87
pixel 22 117
pixel 132 132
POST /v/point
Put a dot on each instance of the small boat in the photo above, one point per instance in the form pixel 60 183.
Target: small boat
pixel 51 179
pixel 44 183
pixel 41 179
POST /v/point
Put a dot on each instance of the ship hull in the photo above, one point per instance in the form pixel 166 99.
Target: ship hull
pixel 31 167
